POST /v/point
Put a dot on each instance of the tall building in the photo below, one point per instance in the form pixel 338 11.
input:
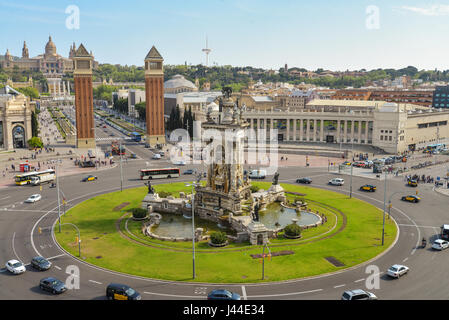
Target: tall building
pixel 154 90
pixel 82 76
pixel 441 97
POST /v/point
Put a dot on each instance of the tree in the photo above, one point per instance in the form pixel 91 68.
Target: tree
pixel 142 110
pixel 29 92
pixel 34 124
pixel 35 142
pixel 121 105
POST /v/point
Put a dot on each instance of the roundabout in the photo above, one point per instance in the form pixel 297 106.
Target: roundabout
pixel 113 241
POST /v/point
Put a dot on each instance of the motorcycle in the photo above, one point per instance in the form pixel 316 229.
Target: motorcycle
pixel 53 185
pixel 423 243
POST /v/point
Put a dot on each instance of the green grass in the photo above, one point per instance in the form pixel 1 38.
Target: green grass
pixel 358 242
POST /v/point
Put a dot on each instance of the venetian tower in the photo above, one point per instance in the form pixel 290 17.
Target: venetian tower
pixel 226 184
pixel 82 75
pixel 154 94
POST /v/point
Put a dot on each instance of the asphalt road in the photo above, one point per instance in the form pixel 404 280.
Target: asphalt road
pixel 20 239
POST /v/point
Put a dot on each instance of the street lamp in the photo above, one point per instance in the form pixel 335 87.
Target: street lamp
pixel 194 184
pixel 385 197
pixel 79 236
pixel 352 166
pixel 57 190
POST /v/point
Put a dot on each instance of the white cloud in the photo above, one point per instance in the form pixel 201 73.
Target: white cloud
pixel 433 10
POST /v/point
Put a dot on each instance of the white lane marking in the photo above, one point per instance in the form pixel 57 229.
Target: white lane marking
pixel 359 280
pixel 339 286
pixel 13 248
pixel 285 294
pixel 95 282
pixel 58 268
pixel 412 225
pixel 405 260
pixel 175 295
pixel 61 255
pixel 5 198
pixel 244 293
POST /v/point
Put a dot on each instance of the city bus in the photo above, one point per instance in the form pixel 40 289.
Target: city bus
pixel 28 178
pixel 137 137
pixel 160 173
pixel 434 147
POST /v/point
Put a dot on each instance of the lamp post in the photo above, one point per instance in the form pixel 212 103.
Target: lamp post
pixel 79 236
pixel 389 201
pixel 57 190
pixel 121 169
pixel 352 166
pixel 263 259
pixel 193 184
pixel 385 197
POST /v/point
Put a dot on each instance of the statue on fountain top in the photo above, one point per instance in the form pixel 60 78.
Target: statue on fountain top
pixel 276 178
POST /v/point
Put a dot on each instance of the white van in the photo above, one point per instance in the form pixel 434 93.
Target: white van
pixel 258 174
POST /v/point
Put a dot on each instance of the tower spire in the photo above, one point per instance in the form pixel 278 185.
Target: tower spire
pixel 207 51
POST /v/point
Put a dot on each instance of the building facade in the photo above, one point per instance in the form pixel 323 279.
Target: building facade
pixel 82 76
pixel 392 127
pixel 154 89
pixel 441 97
pixel 15 119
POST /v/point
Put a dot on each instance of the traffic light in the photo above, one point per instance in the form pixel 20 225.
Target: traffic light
pixel 40 230
pixel 416 192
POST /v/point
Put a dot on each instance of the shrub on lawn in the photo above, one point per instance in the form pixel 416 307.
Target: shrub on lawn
pixel 254 188
pixel 292 230
pixel 218 237
pixel 164 194
pixel 139 213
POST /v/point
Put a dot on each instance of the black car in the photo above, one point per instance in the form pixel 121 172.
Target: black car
pixel 40 263
pixel 116 291
pixel 304 180
pixel 188 171
pixel 222 295
pixel 52 285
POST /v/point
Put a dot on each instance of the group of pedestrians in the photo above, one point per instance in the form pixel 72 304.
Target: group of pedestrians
pixel 420 179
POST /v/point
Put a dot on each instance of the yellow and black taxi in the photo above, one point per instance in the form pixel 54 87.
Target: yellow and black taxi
pixel 346 163
pixel 412 183
pixel 116 291
pixel 89 178
pixel 368 187
pixel 411 198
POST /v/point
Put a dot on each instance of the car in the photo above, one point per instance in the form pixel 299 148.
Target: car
pixel 304 180
pixel 397 270
pixel 412 183
pixel 89 178
pixel 358 294
pixel 52 285
pixel 337 181
pixel 346 163
pixel 368 187
pixel 104 126
pixel 156 156
pixel 188 171
pixel 440 244
pixel 162 153
pixel 222 294
pixel 40 263
pixel 111 134
pixel 15 266
pixel 179 163
pixel 411 198
pixel 116 291
pixel 33 198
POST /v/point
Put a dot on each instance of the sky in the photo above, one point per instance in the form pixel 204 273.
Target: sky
pixel 329 34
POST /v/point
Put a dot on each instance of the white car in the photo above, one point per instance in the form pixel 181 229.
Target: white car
pixel 15 266
pixel 358 294
pixel 179 163
pixel 397 270
pixel 440 244
pixel 156 156
pixel 34 198
pixel 337 181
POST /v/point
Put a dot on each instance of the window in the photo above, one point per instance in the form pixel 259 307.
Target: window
pixel 381 137
pixel 390 138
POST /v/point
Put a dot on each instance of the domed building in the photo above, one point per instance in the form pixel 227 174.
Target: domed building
pixel 50 63
pixel 179 84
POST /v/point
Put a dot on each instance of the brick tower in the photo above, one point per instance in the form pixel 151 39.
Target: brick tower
pixel 82 75
pixel 154 92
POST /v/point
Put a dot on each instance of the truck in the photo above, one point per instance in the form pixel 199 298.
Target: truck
pixel 258 174
pixel 116 150
pixel 43 178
